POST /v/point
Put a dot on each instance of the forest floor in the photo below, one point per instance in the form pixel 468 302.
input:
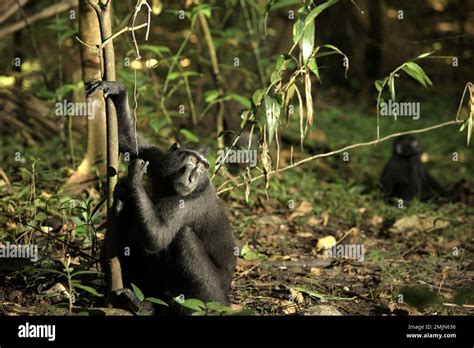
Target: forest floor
pixel 415 260
pixel 419 263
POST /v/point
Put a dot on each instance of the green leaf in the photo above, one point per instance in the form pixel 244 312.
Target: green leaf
pixel 280 66
pixel 272 110
pixel 334 48
pixel 424 55
pixel 298 28
pixel 318 9
pixel 245 116
pixel 250 255
pixel 219 307
pixel 192 303
pixel 83 272
pixel 211 96
pixel 282 4
pixel 379 85
pixel 290 93
pixel 275 76
pixel 89 289
pixel 157 123
pixel 205 9
pixel 157 301
pixel 417 73
pixel 337 51
pixel 258 96
pixel 244 101
pixel 280 62
pixel 307 44
pixel 313 66
pixel 469 129
pixel 138 293
pixel 391 86
pixel 189 135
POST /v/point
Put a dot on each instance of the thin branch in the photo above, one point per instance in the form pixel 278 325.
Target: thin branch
pixel 102 45
pixel 7 9
pixel 346 148
pixel 87 45
pixel 137 9
pixel 46 13
pixel 95 6
pixel 127 28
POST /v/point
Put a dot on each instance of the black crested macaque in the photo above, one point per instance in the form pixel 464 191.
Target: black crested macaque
pixel 405 176
pixel 462 192
pixel 175 240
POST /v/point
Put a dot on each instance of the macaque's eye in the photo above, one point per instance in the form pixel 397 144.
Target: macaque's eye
pixel 202 167
pixel 193 160
pixel 414 143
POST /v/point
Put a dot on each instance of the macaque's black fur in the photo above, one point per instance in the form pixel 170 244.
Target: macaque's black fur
pixel 178 235
pixel 405 176
pixel 462 192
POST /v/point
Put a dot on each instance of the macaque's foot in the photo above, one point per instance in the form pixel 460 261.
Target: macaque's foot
pixel 110 88
pixel 137 169
pixel 126 299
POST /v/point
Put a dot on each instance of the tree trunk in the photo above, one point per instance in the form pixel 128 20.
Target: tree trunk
pixel 89 32
pixel 114 272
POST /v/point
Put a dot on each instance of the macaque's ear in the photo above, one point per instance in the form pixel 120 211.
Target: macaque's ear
pixel 175 146
pixel 206 150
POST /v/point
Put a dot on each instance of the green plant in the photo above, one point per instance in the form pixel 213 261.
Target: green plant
pixel 73 284
pixel 199 308
pixel 141 297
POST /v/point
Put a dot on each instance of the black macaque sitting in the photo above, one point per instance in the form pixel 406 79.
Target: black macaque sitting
pixel 462 192
pixel 405 176
pixel 176 239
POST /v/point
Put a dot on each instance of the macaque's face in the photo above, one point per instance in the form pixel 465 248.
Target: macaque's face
pixel 187 168
pixel 406 146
